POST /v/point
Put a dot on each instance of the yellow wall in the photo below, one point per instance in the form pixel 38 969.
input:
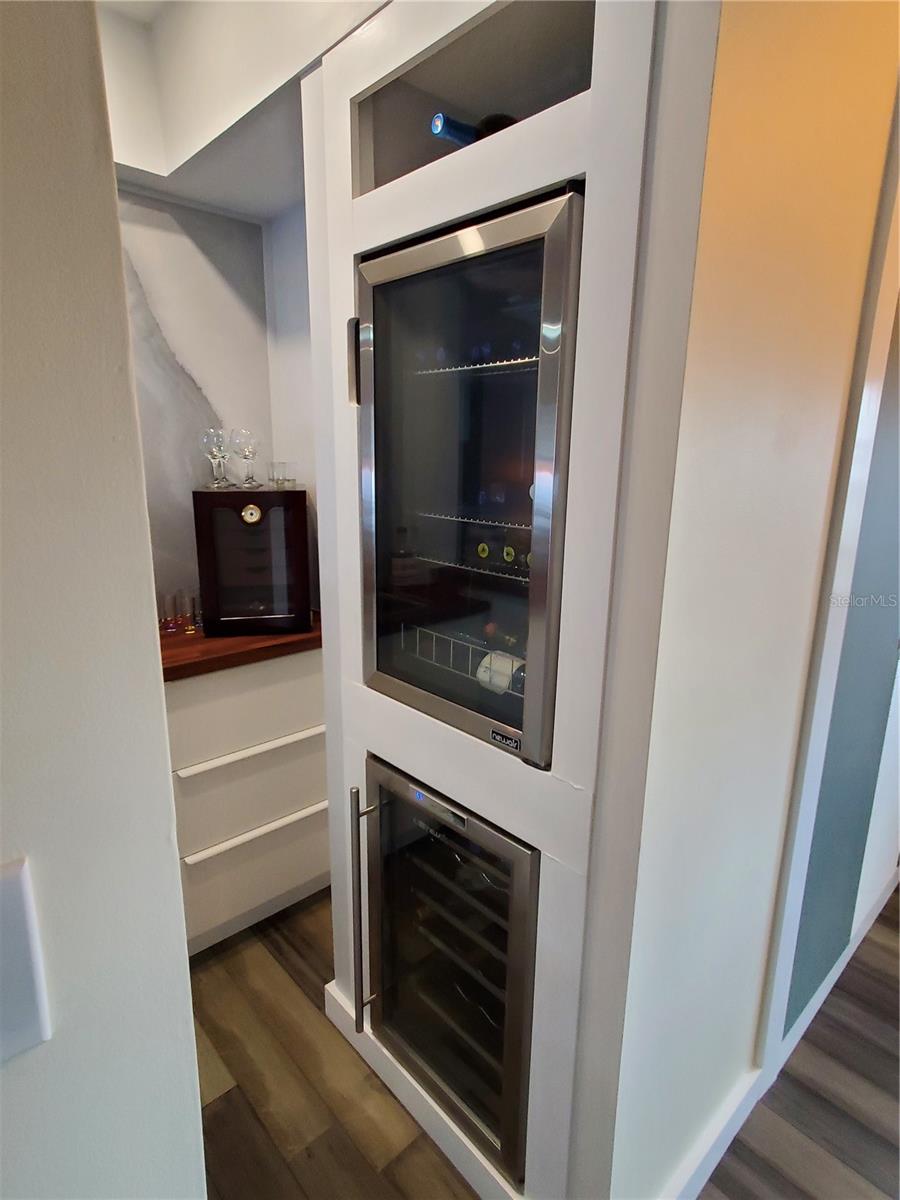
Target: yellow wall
pixel 800 115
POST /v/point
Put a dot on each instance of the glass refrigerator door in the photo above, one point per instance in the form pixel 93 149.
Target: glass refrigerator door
pixel 466 376
pixel 453 905
pixel 254 574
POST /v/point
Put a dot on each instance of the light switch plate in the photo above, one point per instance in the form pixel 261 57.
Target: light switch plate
pixel 24 1016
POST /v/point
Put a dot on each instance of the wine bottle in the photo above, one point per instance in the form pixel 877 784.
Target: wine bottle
pixel 493 123
pixel 462 134
pixel 449 130
pixel 517 683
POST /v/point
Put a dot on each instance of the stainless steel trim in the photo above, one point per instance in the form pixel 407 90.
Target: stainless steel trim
pixel 375 898
pixel 521 949
pixel 494 234
pixel 436 805
pixel 442 710
pixel 559 304
pixel 509 1149
pixel 360 1001
pixel 558 221
pixel 367 477
pixel 353 359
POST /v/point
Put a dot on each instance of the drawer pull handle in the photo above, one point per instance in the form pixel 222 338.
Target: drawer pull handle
pixel 252 834
pixel 224 760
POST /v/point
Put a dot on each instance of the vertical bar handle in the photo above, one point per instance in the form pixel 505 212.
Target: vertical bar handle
pixel 360 1000
pixel 353 359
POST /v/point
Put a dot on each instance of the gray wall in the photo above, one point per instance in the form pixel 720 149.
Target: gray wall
pixel 196 301
pixel 858 722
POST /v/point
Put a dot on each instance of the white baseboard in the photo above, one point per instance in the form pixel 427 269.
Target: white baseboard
pixel 244 920
pixel 468 1160
pixel 694 1170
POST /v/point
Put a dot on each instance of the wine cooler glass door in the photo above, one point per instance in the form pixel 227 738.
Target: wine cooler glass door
pixel 452 913
pixel 466 347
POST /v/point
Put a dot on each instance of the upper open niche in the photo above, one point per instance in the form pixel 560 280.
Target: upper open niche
pixel 523 58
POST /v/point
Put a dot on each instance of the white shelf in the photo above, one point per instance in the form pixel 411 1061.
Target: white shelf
pixel 542 152
pixel 518 59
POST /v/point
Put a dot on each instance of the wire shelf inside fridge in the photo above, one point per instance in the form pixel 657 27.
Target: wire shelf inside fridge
pixel 458 566
pixel 458 655
pixel 499 365
pixel 463 519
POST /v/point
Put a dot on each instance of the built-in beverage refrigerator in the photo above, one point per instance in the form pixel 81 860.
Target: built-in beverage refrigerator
pixel 465 347
pixel 452 908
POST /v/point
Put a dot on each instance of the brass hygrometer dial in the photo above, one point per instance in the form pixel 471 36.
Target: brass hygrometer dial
pixel 251 513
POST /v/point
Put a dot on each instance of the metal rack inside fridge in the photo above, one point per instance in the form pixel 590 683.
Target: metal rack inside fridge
pixel 459 566
pixel 469 520
pixel 455 654
pixel 498 366
pixel 452 926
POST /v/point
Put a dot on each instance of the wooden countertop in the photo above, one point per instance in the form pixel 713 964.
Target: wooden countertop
pixel 187 654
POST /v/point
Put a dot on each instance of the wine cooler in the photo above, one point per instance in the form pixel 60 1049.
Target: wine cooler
pixel 465 350
pixel 452 920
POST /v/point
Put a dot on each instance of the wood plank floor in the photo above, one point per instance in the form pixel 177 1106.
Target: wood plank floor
pixel 290 1110
pixel 827 1128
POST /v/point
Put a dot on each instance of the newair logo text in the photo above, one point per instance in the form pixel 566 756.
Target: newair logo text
pixel 504 739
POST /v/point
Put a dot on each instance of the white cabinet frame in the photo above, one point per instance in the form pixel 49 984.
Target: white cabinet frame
pixel 598 136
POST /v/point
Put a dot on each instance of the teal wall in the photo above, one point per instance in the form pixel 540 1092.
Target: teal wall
pixel 859 718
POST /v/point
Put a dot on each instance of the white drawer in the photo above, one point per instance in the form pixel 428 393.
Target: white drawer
pixel 231 889
pixel 215 801
pixel 215 714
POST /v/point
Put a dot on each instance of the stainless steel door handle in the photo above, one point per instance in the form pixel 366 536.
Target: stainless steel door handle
pixel 353 359
pixel 360 1000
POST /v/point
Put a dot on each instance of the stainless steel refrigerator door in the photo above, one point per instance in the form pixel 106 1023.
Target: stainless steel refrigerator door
pixel 556 223
pixel 503 1139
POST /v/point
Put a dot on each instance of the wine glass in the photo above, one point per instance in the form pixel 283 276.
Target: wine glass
pixel 215 447
pixel 246 444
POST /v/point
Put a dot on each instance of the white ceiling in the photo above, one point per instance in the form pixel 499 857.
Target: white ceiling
pixel 138 10
pixel 254 169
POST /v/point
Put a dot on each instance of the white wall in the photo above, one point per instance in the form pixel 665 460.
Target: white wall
pixel 109 1107
pixel 213 61
pixel 290 360
pixel 795 158
pixel 879 864
pixel 681 88
pixel 131 91
pixel 197 302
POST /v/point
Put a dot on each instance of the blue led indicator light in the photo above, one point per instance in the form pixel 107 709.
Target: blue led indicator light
pixel 437 123
pixel 420 795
